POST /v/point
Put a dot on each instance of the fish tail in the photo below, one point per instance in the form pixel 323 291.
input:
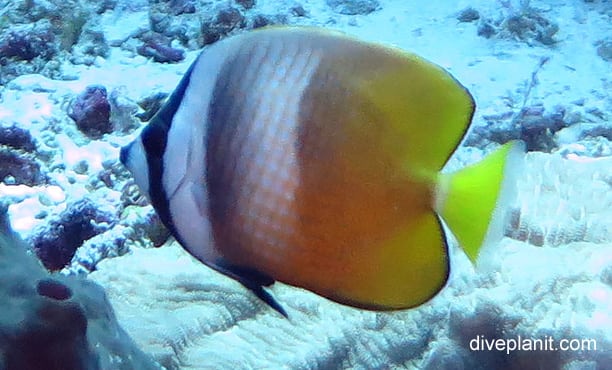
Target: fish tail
pixel 472 201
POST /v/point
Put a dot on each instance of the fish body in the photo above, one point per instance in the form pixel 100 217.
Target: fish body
pixel 308 157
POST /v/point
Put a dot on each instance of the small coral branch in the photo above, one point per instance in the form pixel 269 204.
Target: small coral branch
pixel 530 84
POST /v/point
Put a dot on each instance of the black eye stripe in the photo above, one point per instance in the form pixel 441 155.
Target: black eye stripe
pixel 124 153
pixel 155 135
pixel 154 138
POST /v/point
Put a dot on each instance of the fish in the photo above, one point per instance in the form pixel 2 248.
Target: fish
pixel 309 157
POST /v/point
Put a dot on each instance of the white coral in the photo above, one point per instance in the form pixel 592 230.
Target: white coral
pixel 563 200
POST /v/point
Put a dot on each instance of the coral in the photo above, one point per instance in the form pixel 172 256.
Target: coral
pixel 27 42
pixel 604 49
pixel 520 22
pixel 91 112
pixel 298 10
pixel 131 195
pixel 486 29
pixel 532 124
pixel 261 20
pixel 17 138
pixel 179 7
pixel 247 4
pixel 184 25
pixel 41 32
pixel 139 226
pixel 606 276
pixel 157 47
pixel 72 27
pixel 123 110
pixel 199 316
pixel 197 305
pixel 102 6
pixel 354 7
pixel 10 69
pixel 22 168
pixel 531 26
pixel 56 243
pixel 81 167
pixel 145 225
pixel 567 212
pixel 468 14
pixel 106 245
pixel 541 128
pixel 38 31
pixel 35 10
pixel 56 322
pixel 65 18
pixel 151 104
pixel 226 20
pixel 537 127
pixel 212 21
pixel 91 44
pixel 230 18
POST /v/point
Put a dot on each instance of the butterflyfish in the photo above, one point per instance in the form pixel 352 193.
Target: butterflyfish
pixel 308 157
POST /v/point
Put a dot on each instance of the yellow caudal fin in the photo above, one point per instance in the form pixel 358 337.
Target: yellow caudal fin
pixel 472 200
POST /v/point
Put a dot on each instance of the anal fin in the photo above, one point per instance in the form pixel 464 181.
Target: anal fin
pixel 251 279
